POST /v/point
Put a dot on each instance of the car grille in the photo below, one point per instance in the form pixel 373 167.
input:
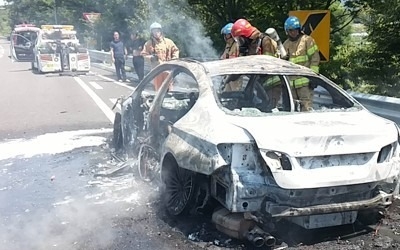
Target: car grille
pixel 325 161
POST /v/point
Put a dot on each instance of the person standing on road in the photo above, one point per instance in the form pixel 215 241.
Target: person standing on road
pixel 159 49
pixel 135 47
pixel 301 50
pixel 118 56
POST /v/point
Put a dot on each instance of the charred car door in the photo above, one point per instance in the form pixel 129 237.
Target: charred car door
pixel 175 98
pixel 136 110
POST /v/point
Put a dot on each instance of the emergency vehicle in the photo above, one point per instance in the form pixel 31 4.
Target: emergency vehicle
pixel 22 40
pixel 57 49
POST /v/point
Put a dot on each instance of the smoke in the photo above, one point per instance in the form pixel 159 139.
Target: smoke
pixel 53 201
pixel 65 227
pixel 181 25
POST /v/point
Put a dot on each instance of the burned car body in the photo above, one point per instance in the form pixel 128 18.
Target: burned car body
pixel 256 154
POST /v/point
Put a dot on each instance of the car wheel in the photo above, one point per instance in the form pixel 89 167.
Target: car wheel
pixel 180 189
pixel 148 163
pixel 117 132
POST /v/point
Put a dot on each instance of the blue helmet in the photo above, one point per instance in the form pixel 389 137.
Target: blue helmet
pixel 226 30
pixel 292 23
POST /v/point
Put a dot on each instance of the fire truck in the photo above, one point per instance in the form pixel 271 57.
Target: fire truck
pixel 57 49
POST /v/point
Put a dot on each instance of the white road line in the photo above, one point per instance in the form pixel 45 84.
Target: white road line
pixel 116 82
pixel 106 110
pixel 95 85
pixel 113 101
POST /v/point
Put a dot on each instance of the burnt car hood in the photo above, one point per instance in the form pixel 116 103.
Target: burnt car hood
pixel 311 134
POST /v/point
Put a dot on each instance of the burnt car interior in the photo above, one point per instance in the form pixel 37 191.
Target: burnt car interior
pixel 156 114
pixel 251 95
pixel 327 96
pixel 255 94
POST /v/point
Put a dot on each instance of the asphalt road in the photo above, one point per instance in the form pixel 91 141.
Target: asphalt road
pixel 33 104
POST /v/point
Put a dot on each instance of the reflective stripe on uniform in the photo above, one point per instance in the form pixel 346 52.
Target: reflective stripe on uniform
pixel 312 50
pixel 272 81
pixel 314 68
pixel 299 59
pixel 300 82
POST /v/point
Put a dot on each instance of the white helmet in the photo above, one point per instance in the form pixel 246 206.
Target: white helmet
pixel 155 25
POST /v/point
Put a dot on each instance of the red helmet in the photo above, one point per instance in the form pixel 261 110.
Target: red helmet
pixel 242 27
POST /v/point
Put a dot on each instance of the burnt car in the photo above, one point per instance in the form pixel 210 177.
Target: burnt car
pixel 220 135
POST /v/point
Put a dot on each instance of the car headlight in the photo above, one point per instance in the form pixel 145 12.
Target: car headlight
pixel 385 153
pixel 277 160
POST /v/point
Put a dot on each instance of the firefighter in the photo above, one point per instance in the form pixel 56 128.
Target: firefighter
pixel 231 51
pixel 251 41
pixel 231 48
pixel 301 50
pixel 159 49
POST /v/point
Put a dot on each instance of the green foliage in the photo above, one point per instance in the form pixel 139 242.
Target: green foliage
pixel 5 29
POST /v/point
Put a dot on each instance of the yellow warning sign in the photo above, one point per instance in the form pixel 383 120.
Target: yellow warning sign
pixel 316 23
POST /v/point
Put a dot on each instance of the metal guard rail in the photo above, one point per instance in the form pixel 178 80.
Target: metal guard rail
pixel 387 107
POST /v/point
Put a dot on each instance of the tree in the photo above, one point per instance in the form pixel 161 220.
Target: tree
pixel 382 62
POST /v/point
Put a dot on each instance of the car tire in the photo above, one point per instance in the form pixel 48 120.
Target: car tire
pixel 117 132
pixel 180 188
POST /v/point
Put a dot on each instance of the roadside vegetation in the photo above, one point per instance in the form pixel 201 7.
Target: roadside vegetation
pixel 368 64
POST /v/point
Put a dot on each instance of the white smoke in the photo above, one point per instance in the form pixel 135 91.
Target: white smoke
pixel 49 198
pixel 180 24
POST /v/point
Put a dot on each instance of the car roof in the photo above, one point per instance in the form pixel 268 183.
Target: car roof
pixel 261 64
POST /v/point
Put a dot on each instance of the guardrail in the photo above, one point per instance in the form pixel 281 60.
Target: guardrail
pixel 105 58
pixel 387 107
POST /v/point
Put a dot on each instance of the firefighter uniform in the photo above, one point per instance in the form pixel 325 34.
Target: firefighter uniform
pixel 161 49
pixel 262 44
pixel 231 49
pixel 303 51
pixel 253 42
